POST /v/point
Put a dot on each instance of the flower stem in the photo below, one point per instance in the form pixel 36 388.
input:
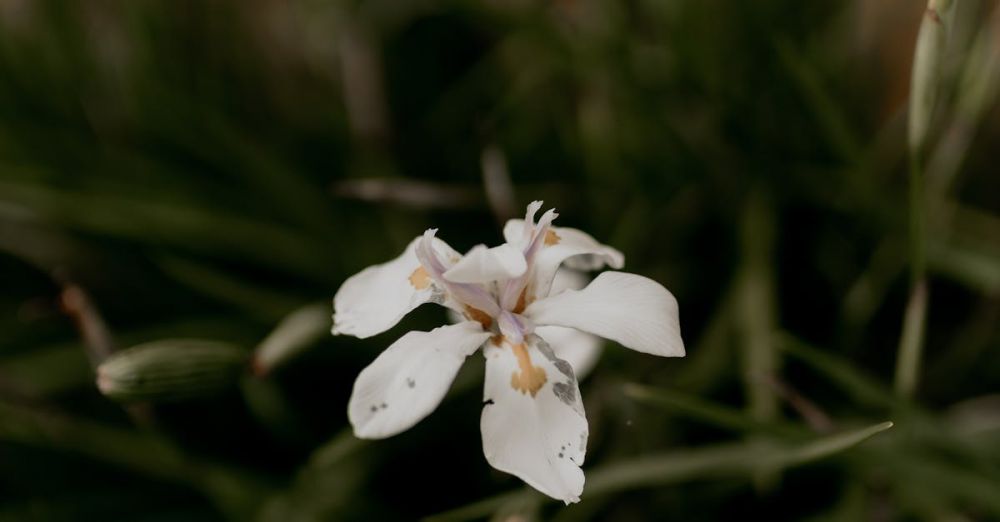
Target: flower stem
pixel 912 339
pixel 926 78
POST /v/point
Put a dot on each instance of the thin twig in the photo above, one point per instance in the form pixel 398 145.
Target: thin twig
pixel 815 417
pixel 97 341
pixel 418 194
pixel 496 182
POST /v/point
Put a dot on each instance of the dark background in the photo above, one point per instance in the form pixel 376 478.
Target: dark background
pixel 201 169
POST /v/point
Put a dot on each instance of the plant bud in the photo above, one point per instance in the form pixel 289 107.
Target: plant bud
pixel 170 369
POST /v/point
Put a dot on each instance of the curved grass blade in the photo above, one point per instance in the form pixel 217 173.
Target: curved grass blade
pixel 656 470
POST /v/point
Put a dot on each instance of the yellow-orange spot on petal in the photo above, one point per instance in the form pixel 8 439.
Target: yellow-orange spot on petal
pixel 420 279
pixel 529 379
pixel 551 238
pixel 476 314
pixel 523 301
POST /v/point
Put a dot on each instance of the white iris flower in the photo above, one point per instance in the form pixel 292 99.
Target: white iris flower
pixel 535 340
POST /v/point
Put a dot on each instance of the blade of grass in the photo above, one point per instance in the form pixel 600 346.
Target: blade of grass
pixel 326 483
pixel 235 492
pixel 912 340
pixel 296 332
pixel 757 317
pixel 969 264
pixel 154 222
pixel 261 303
pixel 48 370
pixel 924 86
pixel 824 447
pixel 931 475
pixel 863 388
pixel 659 469
pixel 710 360
pixel 824 106
pixel 709 412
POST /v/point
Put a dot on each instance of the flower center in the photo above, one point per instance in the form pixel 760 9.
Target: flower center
pixel 497 307
pixel 514 327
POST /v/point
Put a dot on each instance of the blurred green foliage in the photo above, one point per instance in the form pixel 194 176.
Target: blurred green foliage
pixel 201 170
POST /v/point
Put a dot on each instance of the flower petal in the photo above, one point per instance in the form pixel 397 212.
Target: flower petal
pixel 409 379
pixel 580 349
pixel 579 249
pixel 630 309
pixel 534 429
pixel 482 265
pixel 375 299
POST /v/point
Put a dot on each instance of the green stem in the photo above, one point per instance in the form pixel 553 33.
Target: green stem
pixel 918 255
pixel 911 342
pixel 912 339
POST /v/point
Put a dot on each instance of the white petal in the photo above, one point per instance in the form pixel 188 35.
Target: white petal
pixel 581 350
pixel 539 432
pixel 568 279
pixel 514 232
pixel 576 247
pixel 483 264
pixel 409 379
pixel 630 309
pixel 373 300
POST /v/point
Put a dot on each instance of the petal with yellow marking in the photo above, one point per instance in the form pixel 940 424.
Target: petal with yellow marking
pixel 375 299
pixel 542 437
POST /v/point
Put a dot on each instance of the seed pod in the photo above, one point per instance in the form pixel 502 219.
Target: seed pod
pixel 926 74
pixel 170 369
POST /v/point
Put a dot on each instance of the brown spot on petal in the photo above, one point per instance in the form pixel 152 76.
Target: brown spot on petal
pixel 522 302
pixel 476 314
pixel 420 279
pixel 530 378
pixel 497 340
pixel 551 238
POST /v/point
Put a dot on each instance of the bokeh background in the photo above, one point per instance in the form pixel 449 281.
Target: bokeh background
pixel 208 171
